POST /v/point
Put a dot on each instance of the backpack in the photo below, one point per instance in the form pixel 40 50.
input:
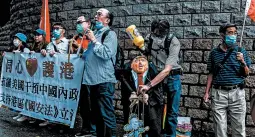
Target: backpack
pixel 167 43
pixel 118 65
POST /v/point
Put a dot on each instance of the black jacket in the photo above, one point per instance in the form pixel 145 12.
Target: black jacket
pixel 155 93
pixel 37 47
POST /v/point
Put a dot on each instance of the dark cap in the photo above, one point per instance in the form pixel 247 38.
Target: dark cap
pixel 224 27
pixel 161 24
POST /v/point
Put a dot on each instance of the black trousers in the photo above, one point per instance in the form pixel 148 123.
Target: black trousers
pixel 88 123
pixel 153 119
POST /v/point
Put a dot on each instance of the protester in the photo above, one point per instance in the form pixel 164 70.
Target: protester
pixel 167 62
pixel 137 73
pixel 59 43
pixel 99 73
pixel 38 45
pixel 19 42
pixel 39 41
pixel 81 41
pixel 226 80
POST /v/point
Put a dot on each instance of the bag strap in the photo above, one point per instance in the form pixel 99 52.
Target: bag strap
pixel 221 65
pixel 167 43
pixel 102 41
pixel 55 47
pixel 104 35
pixel 150 44
pixel 120 51
pixel 239 49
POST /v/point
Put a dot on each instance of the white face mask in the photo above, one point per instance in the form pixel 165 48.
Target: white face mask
pixel 16 42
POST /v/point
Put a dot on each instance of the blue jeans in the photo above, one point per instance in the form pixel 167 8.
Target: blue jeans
pixel 102 109
pixel 173 90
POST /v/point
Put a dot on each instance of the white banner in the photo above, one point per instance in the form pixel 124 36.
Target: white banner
pixel 42 87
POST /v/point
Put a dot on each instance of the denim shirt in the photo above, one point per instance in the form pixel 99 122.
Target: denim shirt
pixel 99 59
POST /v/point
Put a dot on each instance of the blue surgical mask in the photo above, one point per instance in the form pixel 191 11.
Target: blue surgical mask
pixel 99 25
pixel 79 28
pixel 230 40
pixel 16 42
pixel 53 39
pixel 57 33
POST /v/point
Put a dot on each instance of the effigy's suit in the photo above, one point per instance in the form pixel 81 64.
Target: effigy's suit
pixel 153 109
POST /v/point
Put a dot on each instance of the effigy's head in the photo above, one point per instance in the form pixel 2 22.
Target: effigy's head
pixel 139 64
pixel 134 122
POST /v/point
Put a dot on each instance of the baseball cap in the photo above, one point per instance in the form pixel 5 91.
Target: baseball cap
pixel 224 27
pixel 21 37
pixel 40 31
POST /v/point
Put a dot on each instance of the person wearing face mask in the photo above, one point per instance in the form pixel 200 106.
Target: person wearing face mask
pixel 139 72
pixel 19 42
pixel 39 41
pixel 99 73
pixel 166 58
pixel 228 66
pixel 59 43
pixel 80 41
pixel 38 45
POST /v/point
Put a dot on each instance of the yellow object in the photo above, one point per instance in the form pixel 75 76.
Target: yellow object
pixel 136 37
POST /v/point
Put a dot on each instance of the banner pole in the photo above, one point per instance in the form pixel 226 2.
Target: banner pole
pixel 241 39
pixel 247 6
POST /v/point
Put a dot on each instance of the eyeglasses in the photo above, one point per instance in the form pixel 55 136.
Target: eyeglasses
pixel 57 28
pixel 100 14
pixel 80 22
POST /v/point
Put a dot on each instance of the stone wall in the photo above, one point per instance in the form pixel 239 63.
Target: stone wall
pixel 194 22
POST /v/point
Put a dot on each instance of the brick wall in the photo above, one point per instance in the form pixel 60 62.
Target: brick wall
pixel 194 22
